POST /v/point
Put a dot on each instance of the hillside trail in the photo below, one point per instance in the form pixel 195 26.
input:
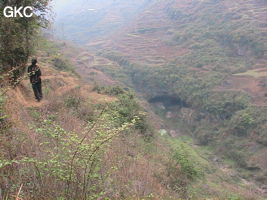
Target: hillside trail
pixel 58 83
pixel 24 96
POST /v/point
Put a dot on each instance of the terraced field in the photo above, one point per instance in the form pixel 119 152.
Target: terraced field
pixel 256 73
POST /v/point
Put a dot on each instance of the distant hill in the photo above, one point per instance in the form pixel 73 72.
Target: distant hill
pixel 82 21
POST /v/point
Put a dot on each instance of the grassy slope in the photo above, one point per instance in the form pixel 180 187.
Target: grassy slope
pixel 70 104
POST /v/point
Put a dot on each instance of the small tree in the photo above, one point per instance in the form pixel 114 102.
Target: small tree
pixel 17 34
pixel 242 122
pixel 67 165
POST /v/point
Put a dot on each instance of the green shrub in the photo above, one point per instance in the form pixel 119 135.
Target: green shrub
pixel 114 91
pixel 223 105
pixel 242 122
pixel 237 156
pixel 35 113
pixel 127 108
pixel 63 65
pixel 50 47
pixel 182 170
pixel 234 197
pixel 67 164
pixel 3 116
pixel 72 102
pixel 181 157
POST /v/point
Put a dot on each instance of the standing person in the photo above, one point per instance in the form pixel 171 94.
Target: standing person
pixel 34 73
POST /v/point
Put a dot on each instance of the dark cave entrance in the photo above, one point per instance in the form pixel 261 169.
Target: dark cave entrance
pixel 168 101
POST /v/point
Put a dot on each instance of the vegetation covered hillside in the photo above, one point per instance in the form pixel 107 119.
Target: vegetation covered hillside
pixel 160 100
pixel 205 62
pixel 90 141
pixel 81 142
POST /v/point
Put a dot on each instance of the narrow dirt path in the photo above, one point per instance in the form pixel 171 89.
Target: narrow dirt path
pixel 24 96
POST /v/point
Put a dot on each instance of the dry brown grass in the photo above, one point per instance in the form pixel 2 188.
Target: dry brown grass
pixel 135 174
pixel 23 113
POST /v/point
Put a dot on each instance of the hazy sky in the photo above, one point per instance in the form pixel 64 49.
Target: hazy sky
pixel 63 7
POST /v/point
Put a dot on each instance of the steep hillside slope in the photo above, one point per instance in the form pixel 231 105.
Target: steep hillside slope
pixel 82 141
pixel 196 131
pixel 54 149
pixel 212 184
pixel 209 57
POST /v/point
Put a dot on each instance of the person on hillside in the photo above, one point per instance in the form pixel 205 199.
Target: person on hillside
pixel 34 73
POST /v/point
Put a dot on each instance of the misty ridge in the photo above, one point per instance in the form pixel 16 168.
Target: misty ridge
pixel 90 19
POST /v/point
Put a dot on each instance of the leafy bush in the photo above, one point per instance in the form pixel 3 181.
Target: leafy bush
pixel 80 108
pixel 237 156
pixel 48 46
pixel 67 165
pixel 114 91
pixel 223 105
pixel 182 170
pixel 182 157
pixel 127 107
pixel 242 122
pixel 234 197
pixel 72 102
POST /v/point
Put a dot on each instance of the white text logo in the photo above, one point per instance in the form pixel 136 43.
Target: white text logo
pixel 18 12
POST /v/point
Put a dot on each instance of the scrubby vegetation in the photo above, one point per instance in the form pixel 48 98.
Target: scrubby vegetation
pixel 53 55
pixel 63 65
pixel 128 107
pixel 182 169
pixel 84 150
pixel 68 164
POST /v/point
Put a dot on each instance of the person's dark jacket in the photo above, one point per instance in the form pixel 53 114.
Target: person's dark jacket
pixel 34 74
